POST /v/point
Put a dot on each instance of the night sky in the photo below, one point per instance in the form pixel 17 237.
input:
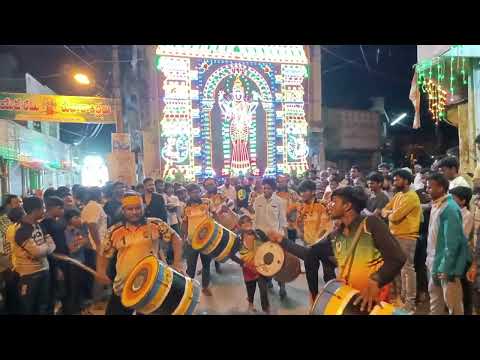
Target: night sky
pixel 350 79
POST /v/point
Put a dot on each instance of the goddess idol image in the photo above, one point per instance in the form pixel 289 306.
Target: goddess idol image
pixel 239 113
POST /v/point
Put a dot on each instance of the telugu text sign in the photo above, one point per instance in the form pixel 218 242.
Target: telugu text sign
pixel 56 108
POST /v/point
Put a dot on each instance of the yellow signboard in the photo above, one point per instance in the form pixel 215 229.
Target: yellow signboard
pixel 56 108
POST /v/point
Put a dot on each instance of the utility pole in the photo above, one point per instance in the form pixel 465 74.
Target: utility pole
pixel 117 99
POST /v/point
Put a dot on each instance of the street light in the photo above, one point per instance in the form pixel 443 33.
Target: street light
pixel 82 79
pixel 398 119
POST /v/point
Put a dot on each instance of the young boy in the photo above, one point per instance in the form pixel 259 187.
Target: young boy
pixel 249 240
pixel 462 196
pixel 76 238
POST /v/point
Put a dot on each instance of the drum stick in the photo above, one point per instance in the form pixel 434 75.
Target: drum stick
pixel 76 263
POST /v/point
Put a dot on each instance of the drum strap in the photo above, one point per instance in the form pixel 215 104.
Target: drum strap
pixel 351 252
pixel 156 249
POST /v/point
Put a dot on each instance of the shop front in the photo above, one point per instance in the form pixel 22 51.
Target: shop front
pixel 30 160
pixel 449 77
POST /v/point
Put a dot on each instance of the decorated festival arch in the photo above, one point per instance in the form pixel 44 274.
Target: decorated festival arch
pixel 211 96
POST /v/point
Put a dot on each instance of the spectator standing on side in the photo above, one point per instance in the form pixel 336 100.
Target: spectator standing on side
pixel 378 199
pixel 449 167
pixel 447 252
pixel 7 275
pixel 96 220
pixel 404 213
pixel 30 249
pixel 462 196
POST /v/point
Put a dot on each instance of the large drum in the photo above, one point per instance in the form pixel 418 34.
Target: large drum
pixel 337 298
pixel 211 238
pixel 272 261
pixel 228 219
pixel 155 288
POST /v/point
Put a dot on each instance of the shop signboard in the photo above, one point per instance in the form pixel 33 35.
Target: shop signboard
pixel 56 108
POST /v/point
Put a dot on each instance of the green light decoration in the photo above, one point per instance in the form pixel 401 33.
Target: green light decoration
pixel 465 81
pixel 307 71
pixel 452 78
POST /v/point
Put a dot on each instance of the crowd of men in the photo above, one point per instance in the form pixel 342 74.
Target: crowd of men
pixel 417 229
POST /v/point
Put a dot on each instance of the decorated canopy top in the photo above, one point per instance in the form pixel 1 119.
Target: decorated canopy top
pixel 285 54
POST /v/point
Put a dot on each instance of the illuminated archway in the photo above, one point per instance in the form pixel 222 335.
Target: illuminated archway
pixel 191 76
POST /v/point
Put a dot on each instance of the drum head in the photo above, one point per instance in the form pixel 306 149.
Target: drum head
pixel 269 259
pixel 203 234
pixel 227 219
pixel 140 281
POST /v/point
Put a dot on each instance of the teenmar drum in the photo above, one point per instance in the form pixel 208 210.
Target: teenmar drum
pixel 155 288
pixel 228 219
pixel 337 298
pixel 211 238
pixel 272 261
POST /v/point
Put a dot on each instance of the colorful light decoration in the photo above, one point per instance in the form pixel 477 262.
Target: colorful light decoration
pixel 436 88
pixel 194 75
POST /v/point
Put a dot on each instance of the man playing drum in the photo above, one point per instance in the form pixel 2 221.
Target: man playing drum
pixel 220 208
pixel 133 239
pixel 196 211
pixel 367 254
pixel 293 202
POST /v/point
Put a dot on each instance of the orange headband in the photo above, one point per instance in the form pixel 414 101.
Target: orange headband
pixel 134 200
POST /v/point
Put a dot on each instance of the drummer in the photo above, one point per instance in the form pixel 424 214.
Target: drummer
pixel 196 211
pixel 270 214
pixel 293 201
pixel 133 239
pixel 313 222
pixel 377 258
pixel 219 203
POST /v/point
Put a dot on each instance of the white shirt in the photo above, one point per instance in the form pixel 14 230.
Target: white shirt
pixel 93 213
pixel 172 217
pixel 270 214
pixel 459 181
pixel 437 207
pixel 417 183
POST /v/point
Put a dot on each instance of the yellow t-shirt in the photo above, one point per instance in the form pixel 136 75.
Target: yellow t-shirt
pixel 195 214
pixel 404 221
pixel 133 243
pixel 316 221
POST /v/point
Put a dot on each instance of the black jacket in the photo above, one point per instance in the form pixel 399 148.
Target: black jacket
pixel 156 208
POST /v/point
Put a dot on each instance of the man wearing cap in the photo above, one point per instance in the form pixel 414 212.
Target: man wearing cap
pixel 133 239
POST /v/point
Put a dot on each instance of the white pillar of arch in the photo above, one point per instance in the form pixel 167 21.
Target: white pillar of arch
pixel 314 100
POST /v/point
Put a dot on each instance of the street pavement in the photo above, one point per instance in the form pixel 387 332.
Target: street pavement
pixel 229 296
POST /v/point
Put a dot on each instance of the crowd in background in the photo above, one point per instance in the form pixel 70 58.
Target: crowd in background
pixel 432 213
